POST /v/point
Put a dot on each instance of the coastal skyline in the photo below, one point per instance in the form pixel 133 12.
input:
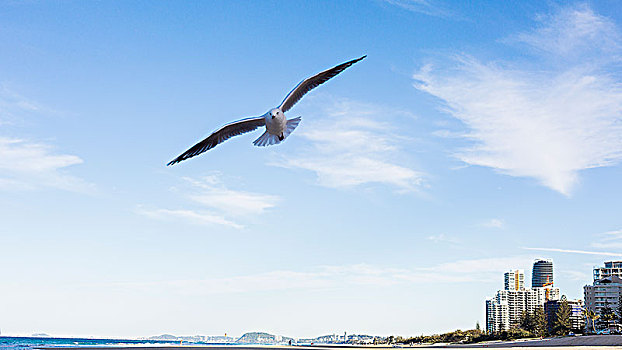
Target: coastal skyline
pixel 473 139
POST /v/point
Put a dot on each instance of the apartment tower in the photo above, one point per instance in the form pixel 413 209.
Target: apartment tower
pixel 514 280
pixel 611 268
pixel 542 273
pixel 606 290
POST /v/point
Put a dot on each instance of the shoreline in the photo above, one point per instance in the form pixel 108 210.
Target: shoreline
pixel 599 342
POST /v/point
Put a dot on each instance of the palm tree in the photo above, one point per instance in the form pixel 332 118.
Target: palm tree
pixel 586 315
pixel 590 316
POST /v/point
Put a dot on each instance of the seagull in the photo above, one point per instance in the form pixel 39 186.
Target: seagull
pixel 278 128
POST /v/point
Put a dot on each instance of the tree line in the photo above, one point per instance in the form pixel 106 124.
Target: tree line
pixel 538 325
pixel 531 324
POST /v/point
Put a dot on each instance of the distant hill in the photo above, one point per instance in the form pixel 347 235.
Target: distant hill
pixel 41 335
pixel 163 337
pixel 263 338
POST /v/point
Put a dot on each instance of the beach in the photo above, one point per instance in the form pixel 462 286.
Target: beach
pixel 599 342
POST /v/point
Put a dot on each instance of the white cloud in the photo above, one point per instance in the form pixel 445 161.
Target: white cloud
pixel 351 147
pixel 494 223
pixel 199 217
pixel 537 119
pixel 341 276
pixel 223 204
pixel 426 7
pixel 607 245
pixel 13 106
pixel 214 194
pixel 441 237
pixel 485 269
pixel 576 275
pixel 609 240
pixel 612 235
pixel 573 251
pixel 574 31
pixel 28 165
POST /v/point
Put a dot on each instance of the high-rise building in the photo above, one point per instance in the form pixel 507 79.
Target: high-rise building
pixel 605 291
pixel 611 268
pixel 514 280
pixel 504 310
pixel 542 273
pixel 497 313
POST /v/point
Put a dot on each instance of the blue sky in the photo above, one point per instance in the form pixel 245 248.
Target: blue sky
pixel 474 138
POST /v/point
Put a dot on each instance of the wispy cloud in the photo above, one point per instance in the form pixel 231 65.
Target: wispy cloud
pixel 573 251
pixel 426 7
pixel 612 235
pixel 573 31
pixel 199 217
pixel 441 237
pixel 214 194
pixel 340 276
pixel 350 146
pixel 609 240
pixel 576 275
pixel 26 165
pixel 29 165
pixel 547 118
pixel 14 106
pixel 493 223
pixel 214 203
pixel 485 269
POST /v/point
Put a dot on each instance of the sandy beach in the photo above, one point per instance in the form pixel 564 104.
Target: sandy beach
pixel 599 342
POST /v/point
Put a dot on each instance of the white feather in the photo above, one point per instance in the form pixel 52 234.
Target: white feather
pixel 291 126
pixel 266 139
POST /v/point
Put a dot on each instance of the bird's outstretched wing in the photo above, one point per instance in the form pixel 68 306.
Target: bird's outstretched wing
pixel 221 135
pixel 313 82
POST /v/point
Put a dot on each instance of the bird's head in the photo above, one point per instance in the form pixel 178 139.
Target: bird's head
pixel 275 113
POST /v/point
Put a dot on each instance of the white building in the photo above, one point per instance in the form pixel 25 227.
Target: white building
pixel 611 268
pixel 514 280
pixel 541 295
pixel 505 309
pixel 603 291
pixel 497 312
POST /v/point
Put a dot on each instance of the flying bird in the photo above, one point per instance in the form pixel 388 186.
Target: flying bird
pixel 278 128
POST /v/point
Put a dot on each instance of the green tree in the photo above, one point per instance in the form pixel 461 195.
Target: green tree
pixel 477 327
pixel 606 314
pixel 527 322
pixel 619 309
pixel 539 321
pixel 561 325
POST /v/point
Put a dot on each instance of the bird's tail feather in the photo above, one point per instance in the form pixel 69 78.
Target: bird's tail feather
pixel 266 139
pixel 291 125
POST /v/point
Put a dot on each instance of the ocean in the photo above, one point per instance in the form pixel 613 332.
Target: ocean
pixel 25 343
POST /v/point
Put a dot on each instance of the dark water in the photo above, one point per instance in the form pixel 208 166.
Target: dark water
pixel 25 343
